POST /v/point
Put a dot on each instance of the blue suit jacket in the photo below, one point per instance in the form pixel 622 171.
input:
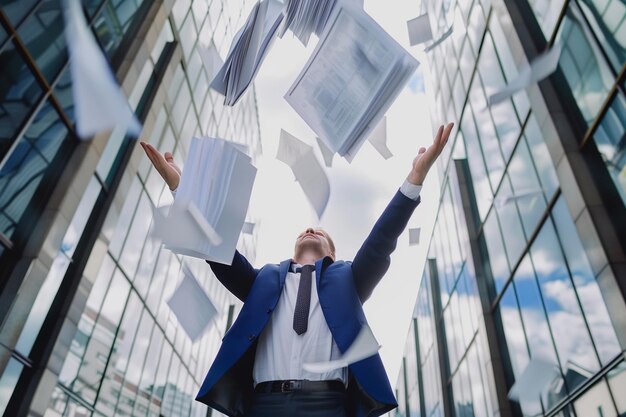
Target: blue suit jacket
pixel 342 288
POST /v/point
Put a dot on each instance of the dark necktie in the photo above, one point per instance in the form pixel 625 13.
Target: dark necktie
pixel 303 301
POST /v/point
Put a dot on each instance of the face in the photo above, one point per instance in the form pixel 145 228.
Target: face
pixel 315 240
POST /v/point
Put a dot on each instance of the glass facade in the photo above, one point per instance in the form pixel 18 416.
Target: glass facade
pixel 511 275
pixel 86 329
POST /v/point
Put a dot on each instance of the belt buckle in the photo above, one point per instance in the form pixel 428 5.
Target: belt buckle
pixel 285 386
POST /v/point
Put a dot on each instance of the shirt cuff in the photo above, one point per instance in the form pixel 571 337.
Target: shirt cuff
pixel 411 191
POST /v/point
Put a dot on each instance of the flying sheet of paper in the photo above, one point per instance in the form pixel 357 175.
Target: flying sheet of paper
pixel 369 69
pixel 179 224
pixel 419 30
pixel 211 60
pixel 327 154
pixel 99 104
pixel 305 17
pixel 378 138
pixel 248 50
pixel 192 307
pixel 438 42
pixel 248 228
pixel 534 381
pixel 414 236
pixel 541 67
pixel 306 168
pixel 502 201
pixel 364 346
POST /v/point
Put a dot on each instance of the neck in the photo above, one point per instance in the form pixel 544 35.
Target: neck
pixel 306 258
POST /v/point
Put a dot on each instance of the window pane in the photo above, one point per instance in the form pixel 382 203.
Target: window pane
pixel 609 25
pixel 17 10
pixel 19 94
pixel 610 138
pixel 586 286
pixel 510 224
pixel 27 165
pixel 547 13
pixel 617 382
pixel 583 65
pixel 526 188
pixel 513 331
pixel 541 157
pixel 496 255
pixel 570 334
pixel 596 402
pixel 43 34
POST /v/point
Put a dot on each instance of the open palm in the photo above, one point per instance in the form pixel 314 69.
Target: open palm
pixel 427 157
pixel 164 164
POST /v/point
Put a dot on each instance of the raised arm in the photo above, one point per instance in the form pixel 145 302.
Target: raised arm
pixel 239 276
pixel 374 257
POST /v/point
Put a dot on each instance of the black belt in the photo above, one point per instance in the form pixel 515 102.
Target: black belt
pixel 299 385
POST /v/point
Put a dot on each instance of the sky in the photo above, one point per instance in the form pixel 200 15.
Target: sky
pixel 359 191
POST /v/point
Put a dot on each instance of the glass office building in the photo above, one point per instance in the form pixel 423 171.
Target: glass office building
pixel 528 253
pixel 84 325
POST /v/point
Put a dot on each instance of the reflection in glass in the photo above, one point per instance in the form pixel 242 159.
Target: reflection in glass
pixel 610 138
pixel 587 289
pixel 583 65
pixel 497 258
pixel 26 166
pixel 617 383
pixel 547 13
pixel 596 402
pixel 526 188
pixel 541 157
pixel 19 94
pixel 606 18
pixel 513 331
pixel 576 353
pixel 43 34
pixel 510 224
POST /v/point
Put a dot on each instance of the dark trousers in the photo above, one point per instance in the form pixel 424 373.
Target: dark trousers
pixel 298 404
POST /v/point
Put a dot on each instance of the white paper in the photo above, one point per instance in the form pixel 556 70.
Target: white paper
pixel 192 307
pixel 305 17
pixel 534 381
pixel 541 67
pixel 414 236
pixel 419 30
pixel 352 78
pixel 378 138
pixel 99 104
pixel 438 42
pixel 327 154
pixel 248 50
pixel 218 180
pixel 364 346
pixel 211 60
pixel 179 224
pixel 306 168
pixel 248 228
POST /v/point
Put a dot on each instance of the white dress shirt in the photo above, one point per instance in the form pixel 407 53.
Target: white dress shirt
pixel 281 351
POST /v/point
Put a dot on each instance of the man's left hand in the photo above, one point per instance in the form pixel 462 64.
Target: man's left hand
pixel 426 157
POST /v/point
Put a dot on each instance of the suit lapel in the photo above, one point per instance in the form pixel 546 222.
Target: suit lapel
pixel 320 265
pixel 284 268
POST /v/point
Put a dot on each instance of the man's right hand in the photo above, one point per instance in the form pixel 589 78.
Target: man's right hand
pixel 164 164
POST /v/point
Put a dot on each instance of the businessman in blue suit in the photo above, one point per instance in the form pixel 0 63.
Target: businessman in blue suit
pixel 306 309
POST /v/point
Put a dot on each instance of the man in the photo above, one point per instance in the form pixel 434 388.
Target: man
pixel 306 309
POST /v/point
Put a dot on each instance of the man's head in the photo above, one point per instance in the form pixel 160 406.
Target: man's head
pixel 315 241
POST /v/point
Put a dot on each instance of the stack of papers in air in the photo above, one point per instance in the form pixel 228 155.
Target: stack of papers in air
pixel 248 50
pixel 353 76
pixel 213 196
pixel 304 17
